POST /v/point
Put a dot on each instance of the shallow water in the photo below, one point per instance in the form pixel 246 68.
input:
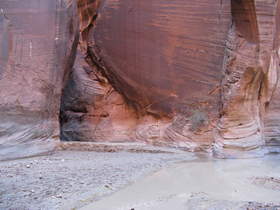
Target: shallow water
pixel 204 183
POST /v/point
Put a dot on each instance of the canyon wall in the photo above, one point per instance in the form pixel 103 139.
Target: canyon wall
pixel 251 69
pixel 37 46
pixel 195 75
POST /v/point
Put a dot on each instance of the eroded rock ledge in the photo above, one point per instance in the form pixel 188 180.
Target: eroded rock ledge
pixel 200 76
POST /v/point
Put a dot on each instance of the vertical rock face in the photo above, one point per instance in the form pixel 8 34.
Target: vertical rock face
pixel 163 62
pixel 36 43
pixel 178 74
pixel 272 119
pixel 91 109
pixel 197 74
pixel 251 75
pixel 164 54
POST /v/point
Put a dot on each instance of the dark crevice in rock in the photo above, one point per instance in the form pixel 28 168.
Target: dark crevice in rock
pixel 248 85
pixel 88 91
pixel 240 126
pixel 245 19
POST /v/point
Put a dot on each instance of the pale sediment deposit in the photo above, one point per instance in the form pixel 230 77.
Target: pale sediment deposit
pixel 202 185
pixel 139 181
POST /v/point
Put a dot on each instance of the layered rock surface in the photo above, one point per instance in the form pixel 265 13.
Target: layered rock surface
pixel 251 74
pixel 38 44
pixel 156 68
pixel 189 74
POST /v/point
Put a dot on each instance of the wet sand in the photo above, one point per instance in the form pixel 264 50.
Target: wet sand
pixel 203 184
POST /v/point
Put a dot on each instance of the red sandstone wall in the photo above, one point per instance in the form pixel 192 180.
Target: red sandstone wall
pixel 198 75
pixel 35 46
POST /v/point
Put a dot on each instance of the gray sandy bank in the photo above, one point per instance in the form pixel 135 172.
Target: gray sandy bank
pixel 72 179
pixel 139 181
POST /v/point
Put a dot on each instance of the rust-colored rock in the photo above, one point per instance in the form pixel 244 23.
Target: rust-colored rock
pixel 165 63
pixel 198 75
pixel 37 46
pixel 251 74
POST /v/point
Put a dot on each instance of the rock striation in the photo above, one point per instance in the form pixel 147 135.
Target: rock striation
pixel 38 41
pixel 201 76
pixel 251 69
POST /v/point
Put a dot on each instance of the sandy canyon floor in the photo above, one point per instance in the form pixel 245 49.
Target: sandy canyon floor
pixel 139 181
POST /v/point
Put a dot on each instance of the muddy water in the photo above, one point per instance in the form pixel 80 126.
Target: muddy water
pixel 205 184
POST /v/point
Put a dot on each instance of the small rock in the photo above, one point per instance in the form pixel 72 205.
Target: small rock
pixel 58 196
pixel 27 166
pixel 107 186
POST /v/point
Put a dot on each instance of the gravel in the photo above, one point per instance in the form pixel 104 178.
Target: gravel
pixel 72 179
